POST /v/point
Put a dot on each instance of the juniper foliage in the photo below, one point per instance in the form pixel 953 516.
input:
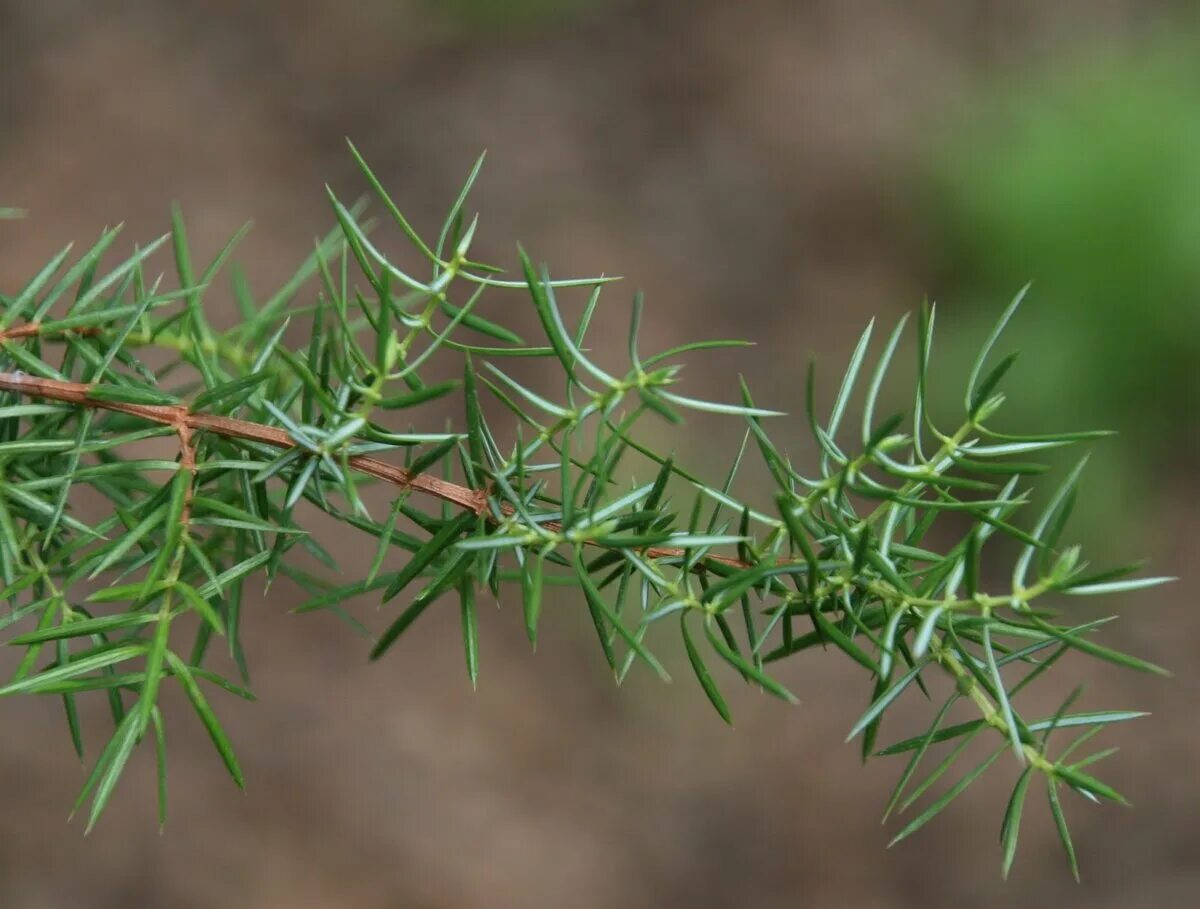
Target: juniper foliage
pixel 877 554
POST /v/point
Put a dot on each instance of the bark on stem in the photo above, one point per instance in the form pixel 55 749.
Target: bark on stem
pixel 185 422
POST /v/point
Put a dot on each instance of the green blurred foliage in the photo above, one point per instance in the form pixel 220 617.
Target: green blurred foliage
pixel 1085 179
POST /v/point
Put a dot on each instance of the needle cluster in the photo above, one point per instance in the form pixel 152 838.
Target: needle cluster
pixel 213 450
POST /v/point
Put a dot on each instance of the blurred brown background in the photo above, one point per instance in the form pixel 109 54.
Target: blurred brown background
pixel 779 171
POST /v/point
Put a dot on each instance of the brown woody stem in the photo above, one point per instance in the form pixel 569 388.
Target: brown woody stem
pixel 186 422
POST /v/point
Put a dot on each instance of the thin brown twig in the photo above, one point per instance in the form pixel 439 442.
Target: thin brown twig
pixel 185 422
pixel 33 329
pixel 187 461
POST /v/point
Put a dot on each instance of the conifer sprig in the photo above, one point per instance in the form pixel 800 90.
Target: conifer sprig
pixel 307 403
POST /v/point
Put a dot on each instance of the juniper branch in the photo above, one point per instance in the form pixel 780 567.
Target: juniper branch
pixel 185 421
pixel 262 427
